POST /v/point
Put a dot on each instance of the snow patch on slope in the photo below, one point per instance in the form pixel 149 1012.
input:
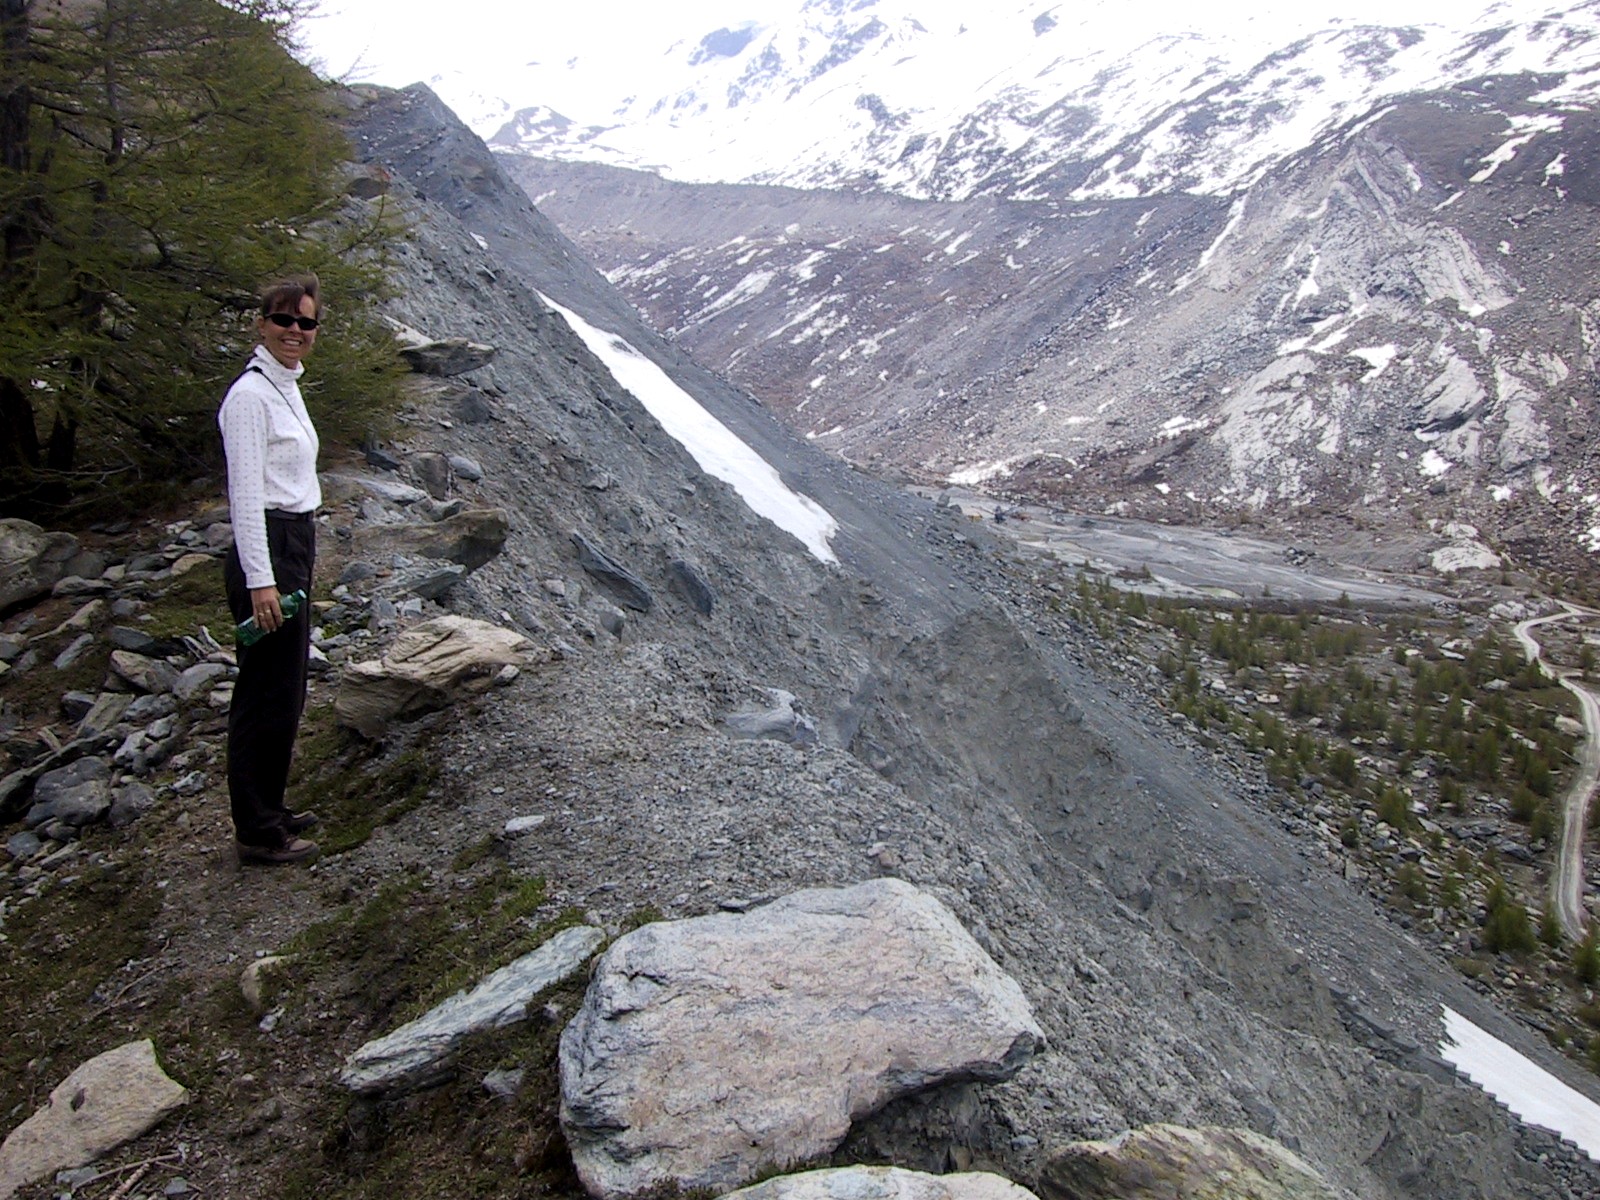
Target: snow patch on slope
pixel 717 449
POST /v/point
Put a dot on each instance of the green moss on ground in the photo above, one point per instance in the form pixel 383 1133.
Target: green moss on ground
pixel 69 958
pixel 191 600
pixel 354 785
pixel 413 943
pixel 456 1140
pixel 392 957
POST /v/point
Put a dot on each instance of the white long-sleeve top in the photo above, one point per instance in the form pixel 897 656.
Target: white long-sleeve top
pixel 271 448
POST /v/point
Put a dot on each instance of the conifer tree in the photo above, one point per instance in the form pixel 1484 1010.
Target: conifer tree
pixel 1505 925
pixel 1586 958
pixel 159 159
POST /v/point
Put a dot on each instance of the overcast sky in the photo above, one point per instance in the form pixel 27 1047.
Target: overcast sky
pixel 396 42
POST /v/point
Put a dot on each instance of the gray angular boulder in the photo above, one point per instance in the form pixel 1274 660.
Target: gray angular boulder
pixel 690 583
pixel 78 794
pixel 430 666
pixel 471 538
pixel 1172 1160
pixel 146 674
pixel 419 1053
pixel 466 468
pixel 109 1100
pixel 783 719
pixel 32 561
pixel 447 356
pixel 884 1183
pixel 432 471
pixel 709 1049
pixel 628 588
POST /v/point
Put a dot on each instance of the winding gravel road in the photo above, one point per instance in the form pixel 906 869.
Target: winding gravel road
pixel 1566 883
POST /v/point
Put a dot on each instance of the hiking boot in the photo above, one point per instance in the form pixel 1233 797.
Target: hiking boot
pixel 300 822
pixel 294 850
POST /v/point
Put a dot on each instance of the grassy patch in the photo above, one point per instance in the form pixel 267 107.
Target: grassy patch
pixel 412 944
pixel 353 785
pixel 193 599
pixel 69 957
pixel 456 1140
pixel 392 957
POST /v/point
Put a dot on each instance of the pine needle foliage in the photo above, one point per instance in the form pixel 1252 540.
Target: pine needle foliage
pixel 159 161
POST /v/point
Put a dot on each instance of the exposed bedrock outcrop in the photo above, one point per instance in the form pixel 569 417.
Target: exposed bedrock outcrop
pixel 710 1048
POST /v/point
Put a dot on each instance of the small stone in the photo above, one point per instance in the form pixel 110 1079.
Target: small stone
pixel 432 471
pixel 77 649
pixel 145 709
pixel 23 846
pixel 432 585
pixel 72 585
pixel 78 794
pixel 255 980
pixel 504 1084
pixel 190 784
pixel 518 825
pixel 189 562
pixel 76 705
pixel 135 641
pixel 84 619
pixel 393 490
pixel 147 674
pixel 466 468
pixel 129 802
pixel 177 1186
pixel 109 1100
pixel 197 680
pixel 418 1053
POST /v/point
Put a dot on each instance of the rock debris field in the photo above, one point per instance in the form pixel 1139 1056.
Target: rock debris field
pixel 611 705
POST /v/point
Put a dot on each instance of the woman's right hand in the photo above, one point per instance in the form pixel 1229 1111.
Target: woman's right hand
pixel 266 608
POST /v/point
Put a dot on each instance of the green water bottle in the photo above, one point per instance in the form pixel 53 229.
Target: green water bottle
pixel 248 633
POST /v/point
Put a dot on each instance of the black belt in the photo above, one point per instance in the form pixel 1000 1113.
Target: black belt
pixel 278 514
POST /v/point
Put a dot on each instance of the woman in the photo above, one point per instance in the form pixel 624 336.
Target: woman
pixel 273 494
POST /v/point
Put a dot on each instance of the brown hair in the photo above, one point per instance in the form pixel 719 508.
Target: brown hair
pixel 285 294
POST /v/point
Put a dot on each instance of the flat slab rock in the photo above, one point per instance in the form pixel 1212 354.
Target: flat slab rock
pixel 884 1183
pixel 109 1100
pixel 1173 1160
pixel 419 1053
pixel 429 667
pixel 709 1049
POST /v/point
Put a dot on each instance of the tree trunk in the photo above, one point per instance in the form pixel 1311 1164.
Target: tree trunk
pixel 15 101
pixel 19 439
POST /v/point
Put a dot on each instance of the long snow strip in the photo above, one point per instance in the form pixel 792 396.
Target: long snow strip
pixel 712 444
pixel 1523 1086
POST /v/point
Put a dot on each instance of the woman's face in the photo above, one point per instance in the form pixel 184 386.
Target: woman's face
pixel 289 345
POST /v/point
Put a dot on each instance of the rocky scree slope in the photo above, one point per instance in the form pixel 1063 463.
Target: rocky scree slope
pixel 1184 959
pixel 1187 961
pixel 1396 320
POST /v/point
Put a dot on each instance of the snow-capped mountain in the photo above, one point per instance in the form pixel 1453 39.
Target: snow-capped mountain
pixel 1351 278
pixel 1025 101
pixel 1398 325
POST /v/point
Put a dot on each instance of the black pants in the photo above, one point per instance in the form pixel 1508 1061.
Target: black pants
pixel 270 693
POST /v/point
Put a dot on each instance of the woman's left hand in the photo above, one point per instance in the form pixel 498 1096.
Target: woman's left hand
pixel 266 608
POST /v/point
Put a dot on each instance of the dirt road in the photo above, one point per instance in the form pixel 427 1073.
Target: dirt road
pixel 1566 882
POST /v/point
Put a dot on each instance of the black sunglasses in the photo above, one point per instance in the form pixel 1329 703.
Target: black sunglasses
pixel 284 320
